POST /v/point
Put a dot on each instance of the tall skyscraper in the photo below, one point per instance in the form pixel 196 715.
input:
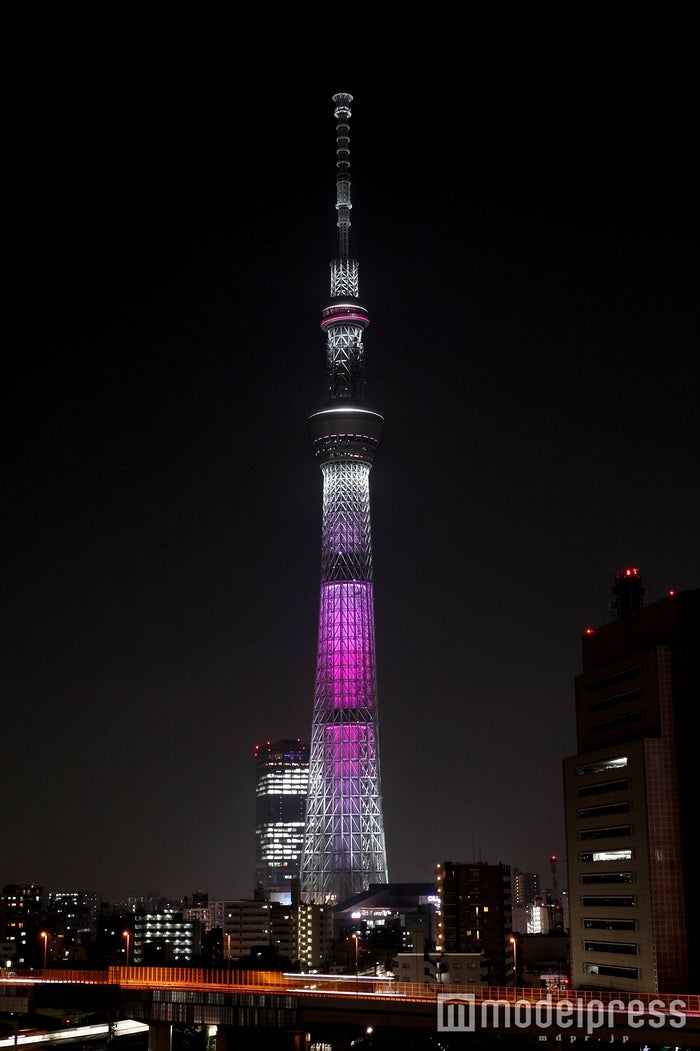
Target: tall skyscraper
pixel 344 850
pixel 524 886
pixel 281 783
pixel 631 798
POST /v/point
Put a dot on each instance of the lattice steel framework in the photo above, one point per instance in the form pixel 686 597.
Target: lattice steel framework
pixel 344 849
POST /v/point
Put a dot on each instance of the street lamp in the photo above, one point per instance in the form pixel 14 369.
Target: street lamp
pixel 45 936
pixel 514 943
pixel 126 935
pixel 356 938
pixel 228 950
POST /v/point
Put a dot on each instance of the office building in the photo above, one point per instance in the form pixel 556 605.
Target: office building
pixel 256 926
pixel 281 783
pixel 631 797
pixel 165 938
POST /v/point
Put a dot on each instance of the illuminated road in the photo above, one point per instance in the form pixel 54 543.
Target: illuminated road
pixel 82 1033
pixel 333 1005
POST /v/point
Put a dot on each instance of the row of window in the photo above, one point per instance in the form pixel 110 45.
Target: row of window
pixel 613 724
pixel 612 702
pixel 608 877
pixel 605 855
pixel 602 765
pixel 613 901
pixel 593 924
pixel 606 971
pixel 618 785
pixel 628 948
pixel 614 679
pixel 622 807
pixel 608 832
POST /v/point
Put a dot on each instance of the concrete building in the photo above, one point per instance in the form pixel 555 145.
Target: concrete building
pixel 631 798
pixel 475 915
pixel 449 968
pixel 254 925
pixel 315 936
pixel 22 923
pixel 165 938
pixel 71 923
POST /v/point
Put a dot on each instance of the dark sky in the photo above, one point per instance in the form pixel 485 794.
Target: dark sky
pixel 531 273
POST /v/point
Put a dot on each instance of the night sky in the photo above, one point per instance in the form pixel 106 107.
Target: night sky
pixel 531 273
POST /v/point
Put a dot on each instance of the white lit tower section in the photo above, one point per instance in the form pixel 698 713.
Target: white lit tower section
pixel 344 850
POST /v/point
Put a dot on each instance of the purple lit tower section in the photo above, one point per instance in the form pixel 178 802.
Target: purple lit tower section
pixel 344 850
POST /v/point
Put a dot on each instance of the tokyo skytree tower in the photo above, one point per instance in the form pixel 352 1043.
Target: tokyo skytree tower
pixel 344 849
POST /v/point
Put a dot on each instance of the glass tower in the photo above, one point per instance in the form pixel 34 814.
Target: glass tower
pixel 344 850
pixel 281 781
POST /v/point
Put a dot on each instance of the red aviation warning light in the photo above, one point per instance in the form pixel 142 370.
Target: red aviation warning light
pixel 627 593
pixel 555 883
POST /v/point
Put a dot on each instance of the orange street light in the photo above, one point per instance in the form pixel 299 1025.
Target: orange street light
pixel 228 950
pixel 45 936
pixel 514 943
pixel 356 938
pixel 127 936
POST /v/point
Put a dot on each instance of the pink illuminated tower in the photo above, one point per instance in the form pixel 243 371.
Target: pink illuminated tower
pixel 344 850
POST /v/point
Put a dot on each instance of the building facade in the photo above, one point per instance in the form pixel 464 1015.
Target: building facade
pixel 164 938
pixel 281 785
pixel 631 799
pixel 22 924
pixel 448 968
pixel 524 887
pixel 475 916
pixel 315 937
pixel 344 849
pixel 71 923
pixel 253 927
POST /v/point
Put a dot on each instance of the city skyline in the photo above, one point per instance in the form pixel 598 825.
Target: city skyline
pixel 534 355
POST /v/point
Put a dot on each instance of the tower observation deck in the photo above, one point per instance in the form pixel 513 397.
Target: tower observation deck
pixel 344 850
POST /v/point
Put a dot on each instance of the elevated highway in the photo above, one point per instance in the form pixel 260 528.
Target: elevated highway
pixel 300 1011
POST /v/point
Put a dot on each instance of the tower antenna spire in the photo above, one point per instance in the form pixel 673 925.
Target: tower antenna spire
pixel 343 204
pixel 344 319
